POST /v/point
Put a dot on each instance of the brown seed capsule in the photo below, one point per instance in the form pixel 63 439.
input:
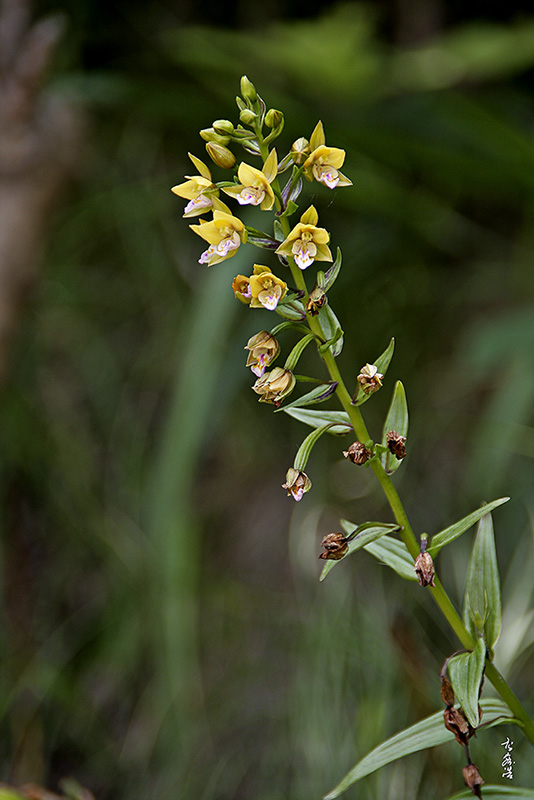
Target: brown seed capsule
pixel 335 546
pixel 473 779
pixel 424 568
pixel 447 693
pixel 396 444
pixel 456 722
pixel 357 453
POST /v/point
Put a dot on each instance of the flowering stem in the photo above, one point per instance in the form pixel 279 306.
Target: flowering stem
pixel 439 594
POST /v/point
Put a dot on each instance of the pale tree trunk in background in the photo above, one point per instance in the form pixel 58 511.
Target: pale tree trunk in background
pixel 40 140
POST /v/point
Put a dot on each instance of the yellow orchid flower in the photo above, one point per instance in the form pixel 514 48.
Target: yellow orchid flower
pixel 324 163
pixel 198 189
pixel 306 243
pixel 254 186
pixel 266 289
pixel 275 385
pixel 224 234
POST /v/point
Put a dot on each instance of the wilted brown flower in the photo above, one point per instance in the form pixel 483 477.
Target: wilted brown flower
pixel 335 546
pixel 357 453
pixel 297 483
pixel 456 722
pixel 317 299
pixel 424 568
pixel 473 779
pixel 370 379
pixel 447 692
pixel 396 444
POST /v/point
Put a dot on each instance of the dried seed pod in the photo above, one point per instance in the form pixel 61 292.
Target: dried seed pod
pixel 447 693
pixel 473 779
pixel 357 453
pixel 424 569
pixel 335 546
pixel 396 444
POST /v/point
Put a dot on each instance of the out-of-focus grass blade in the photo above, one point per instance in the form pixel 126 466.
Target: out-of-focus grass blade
pixel 498 793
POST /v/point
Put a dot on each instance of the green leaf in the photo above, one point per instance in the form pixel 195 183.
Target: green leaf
pixel 360 535
pixel 303 453
pixel 396 420
pixel 293 310
pixel 465 672
pixel 331 329
pixel 340 419
pixel 295 354
pixel 451 533
pixel 393 552
pixel 332 273
pixel 427 733
pixel 498 793
pixel 382 363
pixel 318 395
pixel 482 598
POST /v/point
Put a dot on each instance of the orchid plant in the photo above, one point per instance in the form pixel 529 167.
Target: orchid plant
pixel 293 287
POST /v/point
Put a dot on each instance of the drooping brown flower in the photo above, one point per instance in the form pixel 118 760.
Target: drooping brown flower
pixel 473 779
pixel 424 568
pixel 396 444
pixel 297 483
pixel 335 546
pixel 357 453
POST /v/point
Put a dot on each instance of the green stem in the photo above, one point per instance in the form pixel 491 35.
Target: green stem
pixel 439 594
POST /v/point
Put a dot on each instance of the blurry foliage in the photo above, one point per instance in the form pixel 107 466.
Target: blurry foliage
pixel 161 637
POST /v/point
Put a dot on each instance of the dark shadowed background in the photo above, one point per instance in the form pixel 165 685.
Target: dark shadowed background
pixel 164 634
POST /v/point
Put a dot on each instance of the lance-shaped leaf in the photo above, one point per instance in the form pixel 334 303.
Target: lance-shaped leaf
pixel 293 310
pixel 357 537
pixel 330 275
pixel 382 363
pixel 465 672
pixel 451 533
pixel 318 395
pixel 393 552
pixel 338 419
pixel 303 453
pixel 428 732
pixel 332 330
pixel 482 597
pixel 396 420
pixel 493 792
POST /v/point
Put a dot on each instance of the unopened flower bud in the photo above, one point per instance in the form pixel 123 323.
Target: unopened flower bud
pixel 275 385
pixel 263 348
pixel 297 483
pixel 456 722
pixel 370 379
pixel 317 299
pixel 220 155
pixel 248 90
pixel 248 117
pixel 211 135
pixel 300 150
pixel 357 453
pixel 335 546
pixel 447 692
pixel 273 118
pixel 396 444
pixel 223 126
pixel 473 779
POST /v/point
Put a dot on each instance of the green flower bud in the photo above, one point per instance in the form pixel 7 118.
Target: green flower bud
pixel 211 135
pixel 248 117
pixel 223 127
pixel 248 90
pixel 220 155
pixel 273 118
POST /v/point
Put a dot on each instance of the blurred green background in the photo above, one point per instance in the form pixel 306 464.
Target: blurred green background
pixel 164 634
